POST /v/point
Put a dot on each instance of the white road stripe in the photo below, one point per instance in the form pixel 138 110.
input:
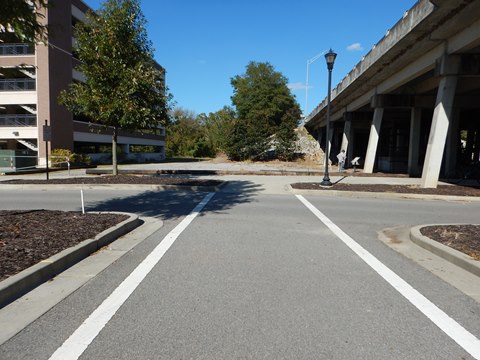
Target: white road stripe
pixel 460 335
pixel 78 342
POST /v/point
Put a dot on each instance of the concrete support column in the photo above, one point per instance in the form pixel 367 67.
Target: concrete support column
pixel 470 141
pixel 476 153
pixel 125 148
pixel 347 134
pixel 319 137
pixel 330 137
pixel 438 131
pixel 373 140
pixel 319 140
pixel 453 139
pixel 414 143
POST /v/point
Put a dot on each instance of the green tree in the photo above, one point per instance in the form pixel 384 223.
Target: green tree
pixel 25 19
pixel 286 137
pixel 265 107
pixel 186 136
pixel 217 127
pixel 124 88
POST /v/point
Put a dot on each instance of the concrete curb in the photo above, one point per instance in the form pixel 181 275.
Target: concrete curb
pixel 151 187
pixel 454 256
pixel 198 172
pixel 19 284
pixel 384 195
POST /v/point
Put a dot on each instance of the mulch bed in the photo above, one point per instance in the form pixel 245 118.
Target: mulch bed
pixel 122 179
pixel 27 237
pixel 464 238
pixel 453 190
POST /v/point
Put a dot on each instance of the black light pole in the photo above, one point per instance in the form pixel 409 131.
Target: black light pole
pixel 330 57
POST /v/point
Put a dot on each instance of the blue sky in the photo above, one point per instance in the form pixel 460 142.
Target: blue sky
pixel 204 43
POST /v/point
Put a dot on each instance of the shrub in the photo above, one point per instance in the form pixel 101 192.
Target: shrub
pixel 59 158
pixel 83 159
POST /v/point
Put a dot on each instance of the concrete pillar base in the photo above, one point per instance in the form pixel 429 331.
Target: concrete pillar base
pixel 347 133
pixel 413 154
pixel 438 131
pixel 373 140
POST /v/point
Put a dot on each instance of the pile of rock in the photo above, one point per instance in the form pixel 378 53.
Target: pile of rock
pixel 308 146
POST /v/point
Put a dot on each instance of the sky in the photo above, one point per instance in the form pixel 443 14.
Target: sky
pixel 202 44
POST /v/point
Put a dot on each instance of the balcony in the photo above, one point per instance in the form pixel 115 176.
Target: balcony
pixel 17 84
pixel 16 49
pixel 22 120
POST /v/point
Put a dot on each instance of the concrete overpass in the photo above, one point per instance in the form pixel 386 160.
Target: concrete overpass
pixel 413 103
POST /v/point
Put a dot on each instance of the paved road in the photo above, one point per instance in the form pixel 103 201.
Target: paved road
pixel 256 274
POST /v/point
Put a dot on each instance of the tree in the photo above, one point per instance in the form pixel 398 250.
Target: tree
pixel 124 88
pixel 204 135
pixel 24 19
pixel 185 135
pixel 217 127
pixel 286 137
pixel 265 108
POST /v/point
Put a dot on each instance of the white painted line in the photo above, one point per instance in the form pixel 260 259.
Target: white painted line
pixel 78 342
pixel 460 335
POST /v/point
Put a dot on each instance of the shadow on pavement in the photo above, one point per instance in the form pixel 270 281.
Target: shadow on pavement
pixel 169 204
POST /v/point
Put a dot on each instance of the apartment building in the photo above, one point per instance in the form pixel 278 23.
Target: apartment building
pixel 31 78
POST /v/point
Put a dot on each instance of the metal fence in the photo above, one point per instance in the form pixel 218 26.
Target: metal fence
pixel 14 163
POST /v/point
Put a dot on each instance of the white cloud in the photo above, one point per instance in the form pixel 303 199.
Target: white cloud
pixel 355 47
pixel 297 86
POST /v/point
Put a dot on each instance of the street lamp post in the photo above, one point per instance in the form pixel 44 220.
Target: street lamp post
pixel 330 58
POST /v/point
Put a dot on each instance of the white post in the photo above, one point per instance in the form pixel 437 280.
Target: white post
pixel 373 140
pixel 81 198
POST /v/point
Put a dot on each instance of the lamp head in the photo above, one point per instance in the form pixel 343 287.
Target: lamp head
pixel 330 57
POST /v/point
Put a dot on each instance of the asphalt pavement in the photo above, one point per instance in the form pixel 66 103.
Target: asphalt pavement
pixel 249 278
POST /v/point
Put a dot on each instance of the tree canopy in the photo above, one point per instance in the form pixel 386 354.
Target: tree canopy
pixel 124 88
pixel 191 135
pixel 217 128
pixel 185 135
pixel 267 114
pixel 25 19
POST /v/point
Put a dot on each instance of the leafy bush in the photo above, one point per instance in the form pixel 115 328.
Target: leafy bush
pixel 59 158
pixel 83 159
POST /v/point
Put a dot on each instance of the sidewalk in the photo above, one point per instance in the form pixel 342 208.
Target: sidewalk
pixel 266 177
pixel 213 169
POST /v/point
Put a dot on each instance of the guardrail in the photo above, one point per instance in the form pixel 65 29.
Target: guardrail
pixel 17 84
pixel 11 162
pixel 16 49
pixel 18 120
